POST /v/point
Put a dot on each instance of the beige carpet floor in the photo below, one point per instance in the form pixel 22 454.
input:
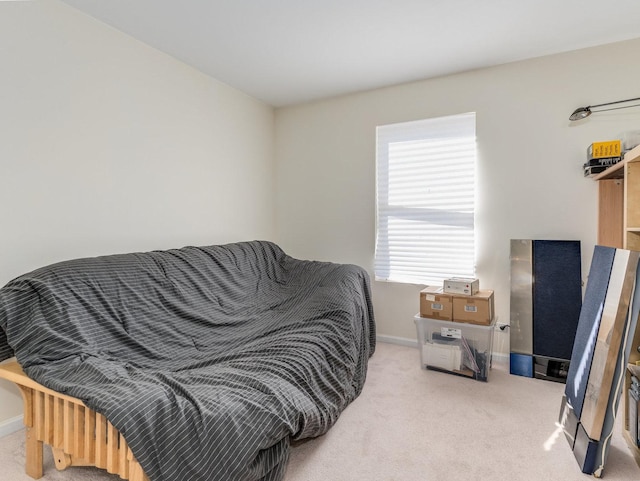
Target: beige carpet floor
pixel 415 425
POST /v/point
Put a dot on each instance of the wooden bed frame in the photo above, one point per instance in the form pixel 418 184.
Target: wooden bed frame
pixel 78 436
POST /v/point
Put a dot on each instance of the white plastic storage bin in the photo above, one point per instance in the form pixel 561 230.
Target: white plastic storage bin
pixel 455 347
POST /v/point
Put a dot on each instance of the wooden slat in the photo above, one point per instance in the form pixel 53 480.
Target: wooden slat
pixel 69 432
pixel 39 414
pixel 90 435
pixel 101 441
pixel 58 422
pixel 123 462
pixel 136 473
pixel 78 431
pixel 112 449
pixel 48 419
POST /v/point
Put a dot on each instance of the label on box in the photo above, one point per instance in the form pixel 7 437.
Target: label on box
pixel 451 332
pixel 436 306
pixel 476 309
pixel 430 297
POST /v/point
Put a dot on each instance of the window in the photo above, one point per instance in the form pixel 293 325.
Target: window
pixel 426 173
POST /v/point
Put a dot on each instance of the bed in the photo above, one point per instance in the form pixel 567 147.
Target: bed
pixel 200 363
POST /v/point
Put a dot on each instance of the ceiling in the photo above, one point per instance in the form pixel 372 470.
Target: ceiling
pixel 285 52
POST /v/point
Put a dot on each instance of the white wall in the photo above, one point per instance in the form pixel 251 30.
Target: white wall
pixel 530 164
pixel 107 145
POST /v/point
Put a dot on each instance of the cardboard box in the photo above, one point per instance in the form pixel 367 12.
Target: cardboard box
pixel 599 150
pixel 461 285
pixel 476 309
pixel 435 304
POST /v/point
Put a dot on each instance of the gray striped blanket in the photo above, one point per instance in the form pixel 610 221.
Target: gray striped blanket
pixel 209 360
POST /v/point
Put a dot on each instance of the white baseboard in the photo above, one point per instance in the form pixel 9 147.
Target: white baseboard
pixel 401 341
pixel 498 357
pixel 501 358
pixel 11 425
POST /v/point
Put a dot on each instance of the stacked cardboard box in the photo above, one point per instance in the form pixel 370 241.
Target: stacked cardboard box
pixel 473 309
pixel 434 303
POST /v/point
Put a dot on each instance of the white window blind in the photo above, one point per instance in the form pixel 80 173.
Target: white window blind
pixel 426 173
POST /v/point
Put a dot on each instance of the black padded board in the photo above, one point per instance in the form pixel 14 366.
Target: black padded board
pixel 557 296
pixel 588 325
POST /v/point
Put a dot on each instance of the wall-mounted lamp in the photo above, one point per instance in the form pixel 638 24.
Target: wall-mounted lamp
pixel 584 112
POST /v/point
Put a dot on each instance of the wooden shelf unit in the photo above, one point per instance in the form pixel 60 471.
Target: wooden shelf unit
pixel 619 203
pixel 619 226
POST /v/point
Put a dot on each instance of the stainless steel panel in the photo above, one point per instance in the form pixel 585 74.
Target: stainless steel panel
pixel 521 301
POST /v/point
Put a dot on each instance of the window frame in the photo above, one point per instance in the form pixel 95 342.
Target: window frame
pixel 449 129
